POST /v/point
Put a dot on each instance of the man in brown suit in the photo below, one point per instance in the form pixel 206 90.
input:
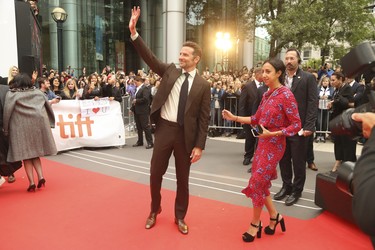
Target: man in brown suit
pixel 180 110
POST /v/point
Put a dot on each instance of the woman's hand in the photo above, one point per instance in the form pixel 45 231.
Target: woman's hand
pixel 266 132
pixel 227 115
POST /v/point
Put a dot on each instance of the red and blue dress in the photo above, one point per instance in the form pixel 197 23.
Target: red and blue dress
pixel 277 111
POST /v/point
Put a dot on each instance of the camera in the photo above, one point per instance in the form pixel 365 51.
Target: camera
pixel 359 60
pixel 344 180
pixel 345 125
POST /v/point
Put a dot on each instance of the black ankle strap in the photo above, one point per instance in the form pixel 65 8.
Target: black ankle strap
pixel 256 226
pixel 277 217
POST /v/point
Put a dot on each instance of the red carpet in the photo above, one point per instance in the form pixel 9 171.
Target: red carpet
pixel 84 210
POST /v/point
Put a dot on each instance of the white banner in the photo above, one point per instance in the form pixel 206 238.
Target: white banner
pixel 90 107
pixel 96 130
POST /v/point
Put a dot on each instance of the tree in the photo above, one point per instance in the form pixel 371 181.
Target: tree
pixel 323 23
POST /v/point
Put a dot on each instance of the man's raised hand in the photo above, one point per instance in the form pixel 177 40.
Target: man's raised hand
pixel 136 12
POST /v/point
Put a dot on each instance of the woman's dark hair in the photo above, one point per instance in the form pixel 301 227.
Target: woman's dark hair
pixel 277 64
pixel 91 76
pixel 20 81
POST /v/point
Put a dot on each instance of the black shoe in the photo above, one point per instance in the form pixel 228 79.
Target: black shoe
pixel 270 231
pixel 149 146
pixel 248 237
pixel 41 182
pixel 246 161
pixel 281 194
pixel 312 166
pixel 293 198
pixel 31 188
pixel 249 170
pixel 138 144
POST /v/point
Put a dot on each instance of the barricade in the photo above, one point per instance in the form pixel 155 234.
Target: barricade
pixel 217 124
pixel 127 115
pixel 322 126
pixel 79 125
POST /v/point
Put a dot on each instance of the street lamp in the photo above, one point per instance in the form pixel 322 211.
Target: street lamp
pixel 223 43
pixel 59 15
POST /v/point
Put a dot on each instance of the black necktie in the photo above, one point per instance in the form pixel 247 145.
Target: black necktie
pixel 182 100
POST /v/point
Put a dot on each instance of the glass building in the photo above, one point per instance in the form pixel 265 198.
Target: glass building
pixel 96 33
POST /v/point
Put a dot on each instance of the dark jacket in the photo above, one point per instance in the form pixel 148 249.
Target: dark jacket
pixel 142 101
pixel 341 99
pixel 112 91
pixel 364 186
pixel 197 109
pixel 304 90
pixel 247 99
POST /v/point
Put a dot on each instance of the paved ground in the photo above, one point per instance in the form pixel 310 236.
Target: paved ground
pixel 219 175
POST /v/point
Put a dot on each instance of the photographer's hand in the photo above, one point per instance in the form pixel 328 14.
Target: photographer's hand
pixel 368 122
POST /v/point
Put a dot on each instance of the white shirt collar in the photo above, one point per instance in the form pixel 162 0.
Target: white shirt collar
pixel 191 73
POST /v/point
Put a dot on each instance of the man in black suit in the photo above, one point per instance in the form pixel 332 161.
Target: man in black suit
pixel 364 178
pixel 141 109
pixel 181 112
pixel 358 91
pixel 246 103
pixel 303 86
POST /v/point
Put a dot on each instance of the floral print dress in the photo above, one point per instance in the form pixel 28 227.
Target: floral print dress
pixel 278 110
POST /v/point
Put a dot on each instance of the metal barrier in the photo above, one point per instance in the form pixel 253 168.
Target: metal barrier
pixel 216 121
pixel 127 115
pixel 322 123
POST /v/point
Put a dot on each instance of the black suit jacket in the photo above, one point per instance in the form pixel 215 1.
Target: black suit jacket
pixel 197 109
pixel 304 89
pixel 341 99
pixel 143 101
pixel 111 91
pixel 260 91
pixel 358 91
pixel 364 188
pixel 247 99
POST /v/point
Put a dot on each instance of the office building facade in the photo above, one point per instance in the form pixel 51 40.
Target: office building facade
pixel 96 34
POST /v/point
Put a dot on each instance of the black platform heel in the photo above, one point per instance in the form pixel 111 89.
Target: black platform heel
pixel 270 231
pixel 41 182
pixel 248 237
pixel 31 188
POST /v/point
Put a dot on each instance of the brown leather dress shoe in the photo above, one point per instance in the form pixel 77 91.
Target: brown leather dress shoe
pixel 151 219
pixel 182 227
pixel 312 166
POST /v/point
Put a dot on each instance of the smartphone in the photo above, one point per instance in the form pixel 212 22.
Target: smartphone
pixel 257 130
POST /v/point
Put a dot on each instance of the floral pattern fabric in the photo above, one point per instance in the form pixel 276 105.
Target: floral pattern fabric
pixel 278 110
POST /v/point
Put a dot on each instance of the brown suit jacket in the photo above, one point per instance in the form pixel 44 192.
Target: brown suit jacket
pixel 197 110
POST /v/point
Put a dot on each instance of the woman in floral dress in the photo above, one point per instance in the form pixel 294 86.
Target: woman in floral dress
pixel 278 117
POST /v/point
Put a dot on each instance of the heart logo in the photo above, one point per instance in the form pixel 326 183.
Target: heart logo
pixel 95 110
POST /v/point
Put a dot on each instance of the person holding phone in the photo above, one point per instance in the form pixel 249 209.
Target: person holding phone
pixel 44 86
pixel 276 118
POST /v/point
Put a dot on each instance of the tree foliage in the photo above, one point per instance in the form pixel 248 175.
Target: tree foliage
pixel 327 24
pixel 323 23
